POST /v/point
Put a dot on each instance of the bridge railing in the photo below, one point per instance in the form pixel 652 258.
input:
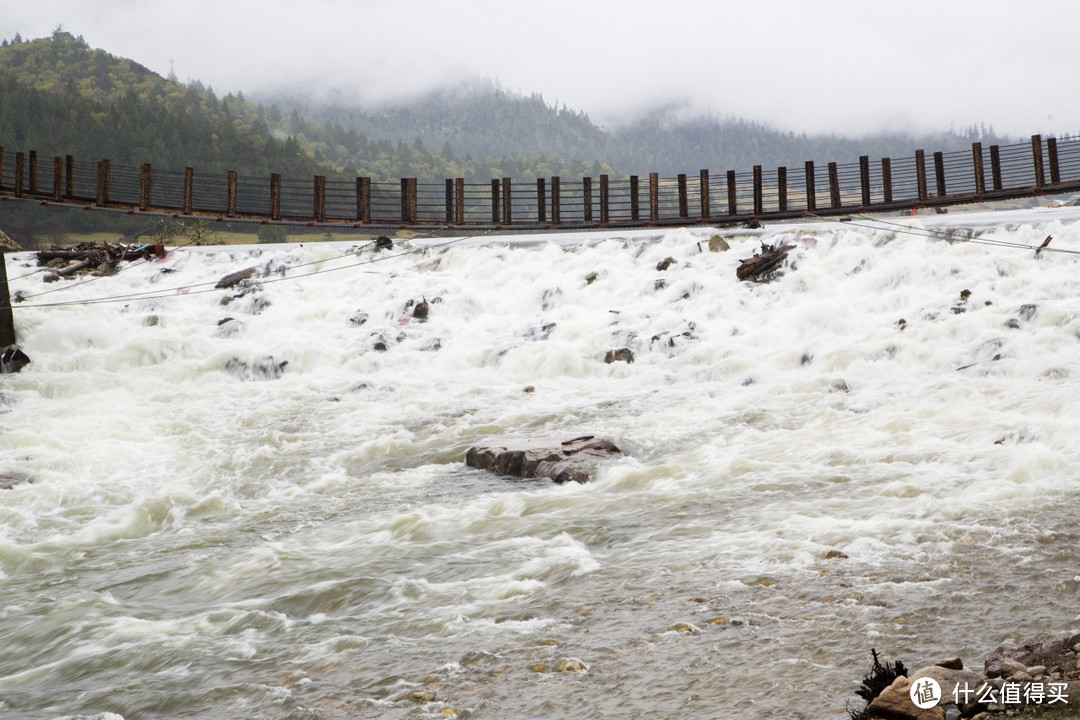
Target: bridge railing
pixel 923 180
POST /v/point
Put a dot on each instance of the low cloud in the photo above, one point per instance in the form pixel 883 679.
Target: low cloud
pixel 837 66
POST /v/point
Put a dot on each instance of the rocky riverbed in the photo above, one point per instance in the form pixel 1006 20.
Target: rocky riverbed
pixel 1036 677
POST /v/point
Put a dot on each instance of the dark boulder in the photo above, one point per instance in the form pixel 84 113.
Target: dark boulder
pixel 622 354
pixel 266 368
pixel 559 460
pixel 420 310
pixel 13 360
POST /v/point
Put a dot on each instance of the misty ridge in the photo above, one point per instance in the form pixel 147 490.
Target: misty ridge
pixel 60 96
pixel 480 119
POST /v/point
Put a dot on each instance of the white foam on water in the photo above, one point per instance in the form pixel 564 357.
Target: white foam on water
pixel 209 511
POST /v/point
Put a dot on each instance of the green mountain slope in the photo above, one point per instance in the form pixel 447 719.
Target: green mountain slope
pixel 482 121
pixel 60 96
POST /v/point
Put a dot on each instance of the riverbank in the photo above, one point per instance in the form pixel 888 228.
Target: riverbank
pixel 1031 678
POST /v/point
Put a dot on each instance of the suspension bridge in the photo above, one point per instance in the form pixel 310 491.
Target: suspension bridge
pixel 935 180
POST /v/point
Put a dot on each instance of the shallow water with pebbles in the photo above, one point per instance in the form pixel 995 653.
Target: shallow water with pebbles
pixel 805 477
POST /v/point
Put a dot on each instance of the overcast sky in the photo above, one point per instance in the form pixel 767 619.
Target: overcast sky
pixel 841 66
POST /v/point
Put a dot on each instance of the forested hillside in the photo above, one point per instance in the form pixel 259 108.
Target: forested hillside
pixel 59 96
pixel 655 142
pixel 484 121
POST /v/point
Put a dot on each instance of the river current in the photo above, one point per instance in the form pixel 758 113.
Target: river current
pixel 856 454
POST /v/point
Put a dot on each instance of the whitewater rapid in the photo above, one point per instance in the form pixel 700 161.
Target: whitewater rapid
pixel 240 506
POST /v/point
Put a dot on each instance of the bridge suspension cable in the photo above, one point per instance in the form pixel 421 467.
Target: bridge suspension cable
pixel 200 288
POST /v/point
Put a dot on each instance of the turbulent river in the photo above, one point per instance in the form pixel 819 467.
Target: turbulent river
pixel 849 456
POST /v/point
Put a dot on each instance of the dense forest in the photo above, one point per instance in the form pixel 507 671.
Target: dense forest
pixel 481 120
pixel 59 96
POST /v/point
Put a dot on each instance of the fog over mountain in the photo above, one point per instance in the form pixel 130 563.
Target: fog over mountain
pixel 834 67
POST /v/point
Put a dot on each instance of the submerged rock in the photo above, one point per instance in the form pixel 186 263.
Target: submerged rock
pixel 539 332
pixel 229 327
pixel 560 461
pixel 379 341
pixel 570 664
pixel 255 304
pixel 10 480
pixel 420 310
pixel 684 628
pixel 623 354
pixel 551 298
pixel 671 342
pixel 264 369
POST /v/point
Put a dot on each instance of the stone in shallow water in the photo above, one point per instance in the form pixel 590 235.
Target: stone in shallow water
pixel 570 665
pixel 559 460
pixel 10 480
pixel 718 244
pixel 264 369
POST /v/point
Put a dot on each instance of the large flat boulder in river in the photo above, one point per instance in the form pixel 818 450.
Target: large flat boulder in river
pixel 560 460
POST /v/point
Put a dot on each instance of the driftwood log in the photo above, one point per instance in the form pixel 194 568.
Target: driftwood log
pixel 102 257
pixel 234 278
pixel 67 270
pixel 767 259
